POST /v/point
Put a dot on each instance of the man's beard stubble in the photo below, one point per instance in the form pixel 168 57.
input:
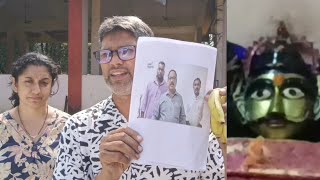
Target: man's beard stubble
pixel 122 88
pixel 160 78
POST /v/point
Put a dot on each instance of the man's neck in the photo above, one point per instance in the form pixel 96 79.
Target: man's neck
pixel 159 81
pixel 123 104
pixel 172 93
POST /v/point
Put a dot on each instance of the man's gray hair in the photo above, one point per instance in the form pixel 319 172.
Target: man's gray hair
pixel 131 24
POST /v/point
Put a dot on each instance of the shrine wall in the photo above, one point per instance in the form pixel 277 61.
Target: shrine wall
pixel 250 19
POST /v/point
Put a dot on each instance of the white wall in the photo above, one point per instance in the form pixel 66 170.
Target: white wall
pixel 94 90
pixel 5 92
pixel 250 19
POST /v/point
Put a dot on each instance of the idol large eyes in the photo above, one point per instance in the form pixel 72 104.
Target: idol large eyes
pixel 261 94
pixel 292 93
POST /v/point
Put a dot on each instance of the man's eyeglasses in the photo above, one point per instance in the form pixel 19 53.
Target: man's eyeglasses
pixel 125 53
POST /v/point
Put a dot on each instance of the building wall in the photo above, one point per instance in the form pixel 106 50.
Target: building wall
pixel 94 90
pixel 250 19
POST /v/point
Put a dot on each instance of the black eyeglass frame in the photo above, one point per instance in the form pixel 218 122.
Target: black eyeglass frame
pixel 96 54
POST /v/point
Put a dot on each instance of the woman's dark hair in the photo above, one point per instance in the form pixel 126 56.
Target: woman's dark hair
pixel 36 59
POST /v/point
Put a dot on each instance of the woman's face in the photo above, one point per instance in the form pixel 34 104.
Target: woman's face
pixel 33 86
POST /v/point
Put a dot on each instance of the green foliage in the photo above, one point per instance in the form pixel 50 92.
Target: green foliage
pixel 57 51
pixel 3 57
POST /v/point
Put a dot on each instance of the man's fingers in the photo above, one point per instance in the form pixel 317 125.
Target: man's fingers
pixel 123 140
pixel 223 91
pixel 120 146
pixel 109 157
pixel 135 135
pixel 128 136
pixel 224 107
pixel 208 95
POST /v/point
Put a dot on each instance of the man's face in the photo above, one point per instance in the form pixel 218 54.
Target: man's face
pixel 196 87
pixel 172 81
pixel 118 74
pixel 160 72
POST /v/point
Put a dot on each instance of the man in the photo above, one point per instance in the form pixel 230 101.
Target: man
pixel 96 143
pixel 154 90
pixel 196 107
pixel 170 107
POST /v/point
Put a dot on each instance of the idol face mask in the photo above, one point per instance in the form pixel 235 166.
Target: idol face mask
pixel 279 95
pixel 278 104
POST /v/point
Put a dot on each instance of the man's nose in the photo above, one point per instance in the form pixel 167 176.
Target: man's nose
pixel 115 60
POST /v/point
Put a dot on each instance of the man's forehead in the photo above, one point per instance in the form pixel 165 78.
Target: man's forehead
pixel 114 40
pixel 172 73
pixel 196 81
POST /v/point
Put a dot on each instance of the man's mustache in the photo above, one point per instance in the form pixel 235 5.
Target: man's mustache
pixel 121 68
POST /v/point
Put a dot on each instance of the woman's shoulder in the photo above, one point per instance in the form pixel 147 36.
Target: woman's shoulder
pixel 63 114
pixel 1 117
pixel 58 111
pixel 60 116
pixel 4 115
pixel 4 118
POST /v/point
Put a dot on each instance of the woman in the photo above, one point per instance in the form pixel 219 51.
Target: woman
pixel 30 131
